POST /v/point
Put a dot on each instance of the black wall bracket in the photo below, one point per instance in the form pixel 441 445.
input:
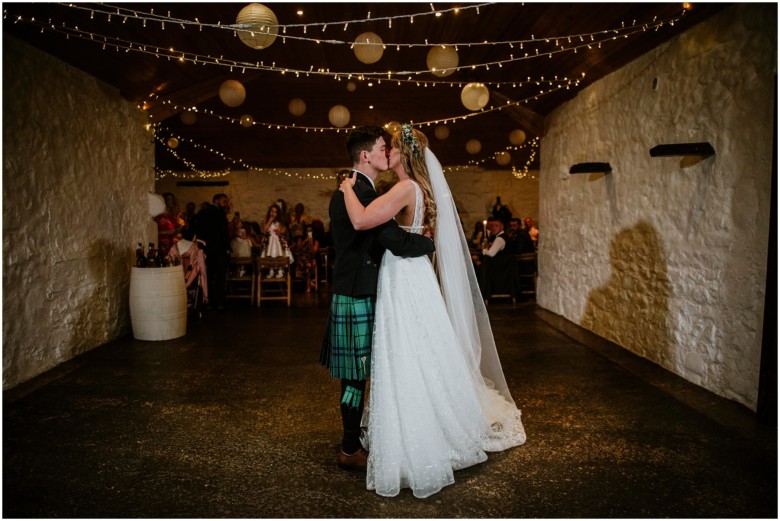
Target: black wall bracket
pixel 683 149
pixel 590 168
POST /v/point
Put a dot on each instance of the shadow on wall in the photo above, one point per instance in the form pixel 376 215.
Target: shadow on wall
pixel 632 309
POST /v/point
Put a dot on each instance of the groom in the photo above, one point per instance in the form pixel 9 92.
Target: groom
pixel 346 348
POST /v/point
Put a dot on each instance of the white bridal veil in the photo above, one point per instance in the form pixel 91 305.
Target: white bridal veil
pixel 461 290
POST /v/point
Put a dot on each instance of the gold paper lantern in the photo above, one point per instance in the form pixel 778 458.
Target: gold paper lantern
pixel 441 132
pixel 474 96
pixel 442 60
pixel 503 158
pixel 297 107
pixel 247 120
pixel 257 26
pixel 393 127
pixel 368 47
pixel 517 137
pixel 173 142
pixel 338 115
pixel 473 146
pixel 351 87
pixel 232 93
pixel 188 117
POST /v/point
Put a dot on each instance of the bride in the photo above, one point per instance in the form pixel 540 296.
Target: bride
pixel 438 399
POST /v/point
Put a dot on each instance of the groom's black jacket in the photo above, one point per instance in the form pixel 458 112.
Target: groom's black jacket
pixel 358 253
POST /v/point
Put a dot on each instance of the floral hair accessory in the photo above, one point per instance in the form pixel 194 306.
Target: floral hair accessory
pixel 409 139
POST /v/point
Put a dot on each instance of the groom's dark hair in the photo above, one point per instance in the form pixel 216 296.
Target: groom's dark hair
pixel 363 138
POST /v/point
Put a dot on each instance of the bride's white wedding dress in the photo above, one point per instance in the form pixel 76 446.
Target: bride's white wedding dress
pixel 428 413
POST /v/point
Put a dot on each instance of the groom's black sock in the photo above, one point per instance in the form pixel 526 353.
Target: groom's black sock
pixel 352 392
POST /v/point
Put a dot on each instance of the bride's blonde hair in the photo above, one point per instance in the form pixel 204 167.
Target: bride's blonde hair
pixel 412 144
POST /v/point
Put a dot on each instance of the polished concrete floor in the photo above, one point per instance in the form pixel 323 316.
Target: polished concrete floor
pixel 237 419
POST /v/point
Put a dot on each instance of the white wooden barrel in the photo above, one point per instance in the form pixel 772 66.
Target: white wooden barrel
pixel 158 303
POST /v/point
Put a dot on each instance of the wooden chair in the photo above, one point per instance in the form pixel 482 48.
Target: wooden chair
pixel 527 272
pixel 241 279
pixel 272 288
pixel 497 277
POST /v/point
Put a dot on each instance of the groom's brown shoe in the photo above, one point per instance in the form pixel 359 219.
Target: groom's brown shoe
pixel 357 461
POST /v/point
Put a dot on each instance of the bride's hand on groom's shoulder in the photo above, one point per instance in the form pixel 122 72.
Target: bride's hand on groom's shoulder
pixel 347 184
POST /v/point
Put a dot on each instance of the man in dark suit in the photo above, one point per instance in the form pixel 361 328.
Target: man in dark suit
pixel 212 228
pixel 346 348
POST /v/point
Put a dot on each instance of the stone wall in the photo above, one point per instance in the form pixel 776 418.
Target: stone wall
pixel 77 168
pixel 667 256
pixel 252 193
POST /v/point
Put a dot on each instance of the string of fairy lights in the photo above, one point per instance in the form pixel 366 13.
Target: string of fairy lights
pixel 517 50
pixel 575 43
pixel 282 126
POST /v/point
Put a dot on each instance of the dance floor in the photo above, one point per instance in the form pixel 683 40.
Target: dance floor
pixel 237 419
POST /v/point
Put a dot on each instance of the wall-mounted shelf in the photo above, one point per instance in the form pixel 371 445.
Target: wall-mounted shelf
pixel 683 149
pixel 591 168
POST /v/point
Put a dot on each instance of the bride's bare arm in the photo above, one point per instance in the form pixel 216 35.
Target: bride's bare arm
pixel 381 209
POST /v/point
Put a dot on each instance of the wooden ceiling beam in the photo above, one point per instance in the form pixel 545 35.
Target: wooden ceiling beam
pixel 526 117
pixel 166 106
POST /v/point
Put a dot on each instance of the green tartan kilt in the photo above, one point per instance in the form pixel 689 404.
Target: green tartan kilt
pixel 346 348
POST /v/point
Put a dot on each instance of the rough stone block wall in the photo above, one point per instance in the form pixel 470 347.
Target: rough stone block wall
pixel 475 192
pixel 77 167
pixel 667 256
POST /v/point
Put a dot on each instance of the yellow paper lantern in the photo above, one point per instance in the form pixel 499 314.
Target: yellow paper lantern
pixel 247 120
pixel 338 115
pixel 442 60
pixel 232 93
pixel 517 137
pixel 441 132
pixel 503 158
pixel 474 96
pixel 393 127
pixel 257 26
pixel 368 47
pixel 473 146
pixel 173 142
pixel 351 87
pixel 188 117
pixel 297 107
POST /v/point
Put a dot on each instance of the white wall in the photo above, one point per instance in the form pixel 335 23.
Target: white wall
pixel 667 256
pixel 77 167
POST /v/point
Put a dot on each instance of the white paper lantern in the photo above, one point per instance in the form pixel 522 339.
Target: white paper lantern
pixel 257 26
pixel 188 117
pixel 474 96
pixel 473 146
pixel 351 87
pixel 297 107
pixel 338 115
pixel 393 127
pixel 173 142
pixel 503 158
pixel 517 137
pixel 156 204
pixel 247 120
pixel 368 47
pixel 442 60
pixel 232 93
pixel 441 132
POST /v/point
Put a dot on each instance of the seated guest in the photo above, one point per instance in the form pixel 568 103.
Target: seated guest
pixel 498 246
pixel 240 245
pixel 518 240
pixel 533 231
pixel 298 221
